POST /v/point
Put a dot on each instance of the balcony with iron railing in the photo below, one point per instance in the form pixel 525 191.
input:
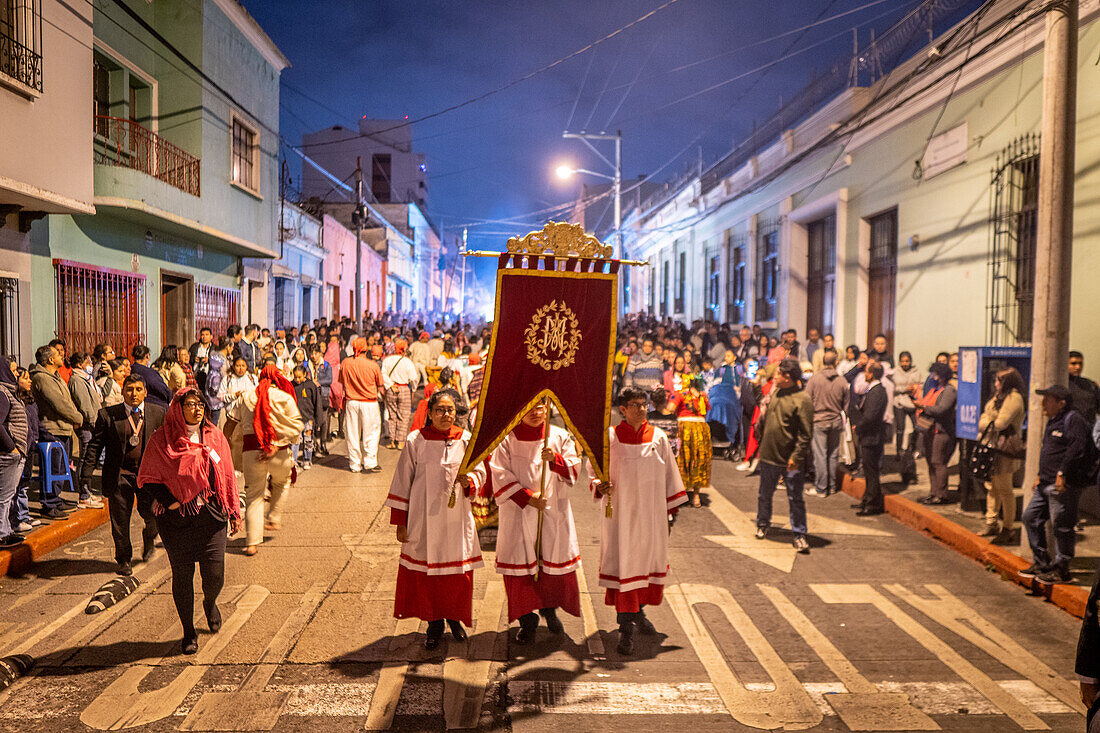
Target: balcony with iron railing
pixel 21 45
pixel 127 144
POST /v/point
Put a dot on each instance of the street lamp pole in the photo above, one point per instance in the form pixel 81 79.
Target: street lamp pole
pixel 358 246
pixel 616 179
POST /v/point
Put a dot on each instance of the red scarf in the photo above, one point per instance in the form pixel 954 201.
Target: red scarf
pixel 184 467
pixel 429 432
pixel 527 433
pixel 261 422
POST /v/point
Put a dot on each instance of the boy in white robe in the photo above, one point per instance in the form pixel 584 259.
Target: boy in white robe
pixel 645 487
pixel 430 505
pixel 516 467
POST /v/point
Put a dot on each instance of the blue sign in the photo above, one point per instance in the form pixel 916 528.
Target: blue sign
pixel 978 367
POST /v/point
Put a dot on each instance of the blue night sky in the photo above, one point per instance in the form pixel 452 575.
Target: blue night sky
pixel 494 160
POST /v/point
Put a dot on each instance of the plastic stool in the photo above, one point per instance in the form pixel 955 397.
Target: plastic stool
pixel 47 476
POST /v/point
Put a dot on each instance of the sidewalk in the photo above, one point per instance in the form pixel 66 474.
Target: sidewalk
pixel 959 528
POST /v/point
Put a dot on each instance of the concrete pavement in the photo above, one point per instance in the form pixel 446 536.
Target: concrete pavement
pixel 878 628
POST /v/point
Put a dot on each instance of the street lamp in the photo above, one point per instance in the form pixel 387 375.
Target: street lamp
pixel 565 171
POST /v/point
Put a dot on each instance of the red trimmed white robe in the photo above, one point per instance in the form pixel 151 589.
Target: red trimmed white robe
pixel 516 469
pixel 634 546
pixel 435 577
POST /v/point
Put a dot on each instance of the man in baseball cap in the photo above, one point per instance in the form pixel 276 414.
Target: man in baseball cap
pixel 1066 463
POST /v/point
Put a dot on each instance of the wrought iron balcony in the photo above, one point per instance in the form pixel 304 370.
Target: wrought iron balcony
pixel 127 144
pixel 19 62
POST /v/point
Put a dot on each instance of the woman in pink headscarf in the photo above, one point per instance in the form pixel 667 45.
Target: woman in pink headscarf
pixel 336 394
pixel 187 467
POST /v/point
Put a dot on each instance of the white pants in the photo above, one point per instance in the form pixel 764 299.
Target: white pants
pixel 362 429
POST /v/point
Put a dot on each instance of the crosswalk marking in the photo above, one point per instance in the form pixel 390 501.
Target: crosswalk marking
pixel 863 706
pixel 855 593
pixel 787 705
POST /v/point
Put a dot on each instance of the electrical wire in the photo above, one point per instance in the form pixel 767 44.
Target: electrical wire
pixel 536 72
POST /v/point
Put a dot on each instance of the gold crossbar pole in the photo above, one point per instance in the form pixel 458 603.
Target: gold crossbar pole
pixel 636 263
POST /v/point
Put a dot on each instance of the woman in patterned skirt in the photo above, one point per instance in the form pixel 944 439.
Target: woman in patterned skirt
pixel 695 450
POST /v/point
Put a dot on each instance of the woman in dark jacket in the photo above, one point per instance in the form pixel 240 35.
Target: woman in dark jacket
pixel 308 396
pixel 14 447
pixel 937 419
pixel 187 467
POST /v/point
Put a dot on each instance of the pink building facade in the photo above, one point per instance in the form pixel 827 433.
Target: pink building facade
pixel 339 244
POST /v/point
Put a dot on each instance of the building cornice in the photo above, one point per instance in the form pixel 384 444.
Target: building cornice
pixel 41 199
pixel 251 30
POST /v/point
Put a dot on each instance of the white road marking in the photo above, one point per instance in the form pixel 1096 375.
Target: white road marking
pixel 466 675
pixel 251 707
pixel 855 593
pixel 35 594
pixel 863 706
pixel 591 629
pixel 787 705
pixel 122 705
pixel 53 701
pixel 956 616
pixel 391 679
pixel 740 538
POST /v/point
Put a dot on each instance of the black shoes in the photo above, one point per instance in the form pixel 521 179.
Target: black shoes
pixel 124 568
pixel 868 512
pixel 457 631
pixel 553 625
pixel 12 540
pixel 375 469
pixel 1032 571
pixel 435 634
pixel 147 553
pixel 626 639
pixel 189 645
pixel 528 625
pixel 53 513
pixel 934 500
pixel 1054 575
pixel 214 620
pixel 761 533
pixel 645 626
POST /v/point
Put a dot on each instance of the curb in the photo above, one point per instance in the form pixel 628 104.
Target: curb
pixel 1070 598
pixel 17 560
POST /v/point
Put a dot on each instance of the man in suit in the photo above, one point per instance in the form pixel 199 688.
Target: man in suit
pixel 123 431
pixel 868 416
pixel 156 388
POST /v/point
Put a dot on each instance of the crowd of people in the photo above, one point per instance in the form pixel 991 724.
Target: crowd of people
pixel 207 439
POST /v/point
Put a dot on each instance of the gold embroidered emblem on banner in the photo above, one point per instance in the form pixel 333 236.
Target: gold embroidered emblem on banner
pixel 553 336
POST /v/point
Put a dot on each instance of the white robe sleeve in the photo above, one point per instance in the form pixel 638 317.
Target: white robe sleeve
pixel 505 481
pixel 401 485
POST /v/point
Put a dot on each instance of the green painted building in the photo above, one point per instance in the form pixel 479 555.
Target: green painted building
pixel 183 125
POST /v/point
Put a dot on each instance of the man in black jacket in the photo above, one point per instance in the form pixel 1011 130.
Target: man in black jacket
pixel 1087 665
pixel 156 388
pixel 1065 467
pixel 868 422
pixel 124 431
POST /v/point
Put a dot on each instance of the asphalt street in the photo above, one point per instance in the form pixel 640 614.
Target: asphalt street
pixel 878 628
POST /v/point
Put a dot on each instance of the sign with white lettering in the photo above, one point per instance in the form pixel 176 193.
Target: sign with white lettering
pixel 945 151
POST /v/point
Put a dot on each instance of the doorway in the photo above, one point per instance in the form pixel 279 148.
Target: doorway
pixel 177 309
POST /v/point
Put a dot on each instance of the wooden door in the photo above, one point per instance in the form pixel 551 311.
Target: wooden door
pixel 883 277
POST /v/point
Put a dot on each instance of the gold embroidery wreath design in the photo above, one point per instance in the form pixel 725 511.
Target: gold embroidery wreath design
pixel 566 355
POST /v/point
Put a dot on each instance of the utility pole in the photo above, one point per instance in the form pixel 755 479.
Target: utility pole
pixel 1054 246
pixel 358 216
pixel 616 179
pixel 462 292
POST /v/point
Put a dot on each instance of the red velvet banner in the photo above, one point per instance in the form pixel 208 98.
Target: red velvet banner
pixel 553 334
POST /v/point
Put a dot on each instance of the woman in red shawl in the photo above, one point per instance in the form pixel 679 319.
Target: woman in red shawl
pixel 188 469
pixel 336 394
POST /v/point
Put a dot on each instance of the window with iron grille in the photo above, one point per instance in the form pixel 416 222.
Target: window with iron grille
pixel 882 276
pixel 714 287
pixel 21 42
pixel 216 308
pixel 736 264
pixel 1014 223
pixel 101 94
pixel 9 318
pixel 767 269
pixel 99 305
pixel 652 290
pixel 245 155
pixel 821 274
pixel 681 281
